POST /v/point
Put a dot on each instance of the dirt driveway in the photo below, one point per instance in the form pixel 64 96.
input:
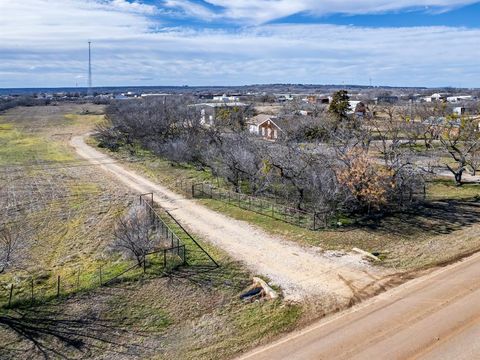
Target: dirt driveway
pixel 302 273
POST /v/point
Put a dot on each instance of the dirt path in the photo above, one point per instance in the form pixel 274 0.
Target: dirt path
pixel 300 272
pixel 433 317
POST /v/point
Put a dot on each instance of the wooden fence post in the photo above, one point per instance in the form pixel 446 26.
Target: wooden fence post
pixel 58 285
pixel 31 291
pixel 10 296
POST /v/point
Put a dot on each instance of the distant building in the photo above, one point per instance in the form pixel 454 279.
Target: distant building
pixel 353 106
pixel 439 97
pixel 154 95
pixel 459 111
pixel 317 99
pixel 225 98
pixel 361 110
pixel 387 99
pixel 459 98
pixel 209 111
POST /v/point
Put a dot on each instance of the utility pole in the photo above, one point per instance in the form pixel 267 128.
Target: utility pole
pixel 89 92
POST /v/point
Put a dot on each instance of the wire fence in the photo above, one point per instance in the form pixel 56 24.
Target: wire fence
pixel 187 249
pixel 305 219
pixel 40 287
pixel 29 289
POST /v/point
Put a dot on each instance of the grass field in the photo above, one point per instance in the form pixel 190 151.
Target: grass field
pixel 68 209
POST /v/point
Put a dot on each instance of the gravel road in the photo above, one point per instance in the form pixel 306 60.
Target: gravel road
pixel 301 272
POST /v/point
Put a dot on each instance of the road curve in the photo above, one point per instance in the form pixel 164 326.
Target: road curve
pixel 433 317
pixel 300 272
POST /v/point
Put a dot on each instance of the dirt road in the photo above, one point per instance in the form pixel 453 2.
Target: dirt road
pixel 299 271
pixel 434 317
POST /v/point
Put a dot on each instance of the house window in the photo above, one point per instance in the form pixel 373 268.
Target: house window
pixel 263 131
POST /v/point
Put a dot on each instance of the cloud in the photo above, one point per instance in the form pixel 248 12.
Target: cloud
pixel 262 11
pixel 192 9
pixel 44 43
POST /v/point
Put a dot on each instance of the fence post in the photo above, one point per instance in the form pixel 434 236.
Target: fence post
pixel 10 296
pixel 273 210
pixel 314 218
pixel 193 190
pixel 32 290
pixel 145 264
pixel 164 258
pixel 58 285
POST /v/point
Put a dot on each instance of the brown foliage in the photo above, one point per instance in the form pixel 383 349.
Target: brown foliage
pixel 369 183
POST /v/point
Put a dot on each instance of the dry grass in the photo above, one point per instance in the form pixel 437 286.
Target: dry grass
pixel 71 208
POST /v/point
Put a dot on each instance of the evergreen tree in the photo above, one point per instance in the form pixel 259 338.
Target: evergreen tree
pixel 340 106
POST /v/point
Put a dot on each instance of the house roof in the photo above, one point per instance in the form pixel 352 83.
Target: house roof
pixel 260 119
pixel 221 104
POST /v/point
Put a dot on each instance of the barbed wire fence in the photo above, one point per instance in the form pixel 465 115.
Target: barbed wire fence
pixel 25 289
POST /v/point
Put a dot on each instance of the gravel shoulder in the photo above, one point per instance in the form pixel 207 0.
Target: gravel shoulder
pixel 302 273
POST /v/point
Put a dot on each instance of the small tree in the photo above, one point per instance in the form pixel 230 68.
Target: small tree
pixel 340 105
pixel 134 236
pixel 12 247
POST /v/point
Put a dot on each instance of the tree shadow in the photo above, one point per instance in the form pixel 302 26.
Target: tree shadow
pixel 435 218
pixel 207 277
pixel 45 334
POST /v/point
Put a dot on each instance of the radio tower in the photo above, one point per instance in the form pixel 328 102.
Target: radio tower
pixel 89 69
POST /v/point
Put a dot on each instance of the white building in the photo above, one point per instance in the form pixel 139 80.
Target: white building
pixel 209 111
pixel 455 99
pixel 225 98
pixel 459 111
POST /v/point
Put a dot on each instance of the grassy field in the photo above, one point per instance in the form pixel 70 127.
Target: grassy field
pixel 68 210
pixel 443 229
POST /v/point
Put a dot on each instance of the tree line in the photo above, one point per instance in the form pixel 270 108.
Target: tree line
pixel 328 162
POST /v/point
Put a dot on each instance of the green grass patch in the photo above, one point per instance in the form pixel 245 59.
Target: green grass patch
pixel 445 189
pixel 19 148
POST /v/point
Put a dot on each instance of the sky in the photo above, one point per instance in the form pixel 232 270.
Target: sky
pixel 433 43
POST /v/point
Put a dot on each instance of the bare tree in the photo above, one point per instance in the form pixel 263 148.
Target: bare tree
pixel 461 140
pixel 12 247
pixel 134 235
